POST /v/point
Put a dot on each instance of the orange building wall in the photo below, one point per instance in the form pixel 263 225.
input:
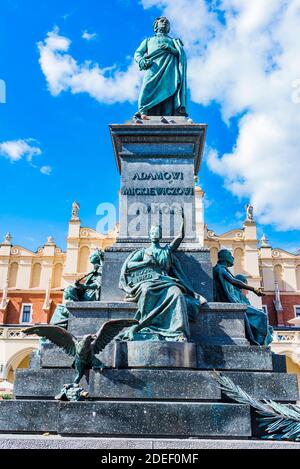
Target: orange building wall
pixel 13 310
pixel 288 302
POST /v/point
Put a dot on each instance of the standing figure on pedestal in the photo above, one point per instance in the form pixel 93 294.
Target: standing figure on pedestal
pixel 153 277
pixel 164 91
pixel 229 289
pixel 249 212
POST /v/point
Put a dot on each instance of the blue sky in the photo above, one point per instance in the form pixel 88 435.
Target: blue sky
pixel 70 129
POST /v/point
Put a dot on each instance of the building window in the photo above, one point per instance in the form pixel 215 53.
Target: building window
pixel 278 275
pixel 297 310
pixel 13 273
pixel 265 308
pixel 36 275
pixel 83 260
pixel 238 261
pixel 298 276
pixel 26 314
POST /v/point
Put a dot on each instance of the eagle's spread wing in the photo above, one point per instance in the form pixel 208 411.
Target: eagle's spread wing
pixel 109 331
pixel 57 335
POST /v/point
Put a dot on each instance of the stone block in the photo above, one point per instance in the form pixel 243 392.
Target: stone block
pixel 234 357
pixel 35 359
pixel 220 323
pixel 54 357
pixel 157 166
pixel 28 416
pixel 279 363
pixel 154 384
pixel 172 419
pixel 279 387
pixel 43 383
pixel 156 354
pixel 88 317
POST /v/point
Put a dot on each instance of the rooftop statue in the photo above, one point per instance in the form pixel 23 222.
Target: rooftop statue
pixel 229 289
pixel 249 212
pixel 153 277
pixel 164 90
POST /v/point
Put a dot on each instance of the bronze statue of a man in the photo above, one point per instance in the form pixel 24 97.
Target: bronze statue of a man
pixel 163 58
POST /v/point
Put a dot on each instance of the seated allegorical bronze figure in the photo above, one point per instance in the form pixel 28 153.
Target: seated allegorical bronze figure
pixel 153 277
pixel 89 290
pixel 229 289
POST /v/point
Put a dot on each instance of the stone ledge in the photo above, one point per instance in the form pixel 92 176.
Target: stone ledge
pixel 158 385
pixel 140 418
pixel 8 441
pixel 125 305
pixel 126 418
pixel 234 357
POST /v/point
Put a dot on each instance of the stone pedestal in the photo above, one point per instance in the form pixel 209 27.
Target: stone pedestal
pixel 157 163
pixel 152 389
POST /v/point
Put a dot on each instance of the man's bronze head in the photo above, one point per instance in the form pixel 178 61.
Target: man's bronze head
pixel 225 257
pixel 161 25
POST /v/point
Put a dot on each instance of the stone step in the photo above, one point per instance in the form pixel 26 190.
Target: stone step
pixel 115 418
pixel 280 387
pixel 234 357
pixel 154 418
pixel 188 385
pixel 152 354
pixel 121 384
pixel 28 416
pixel 43 383
pixel 150 384
pixel 10 441
pixel 217 323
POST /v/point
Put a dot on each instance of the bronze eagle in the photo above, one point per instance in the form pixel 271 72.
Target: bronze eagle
pixel 85 350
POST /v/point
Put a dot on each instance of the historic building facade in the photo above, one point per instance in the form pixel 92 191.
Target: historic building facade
pixel 32 283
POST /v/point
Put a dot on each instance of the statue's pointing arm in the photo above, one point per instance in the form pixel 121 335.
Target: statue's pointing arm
pixel 239 284
pixel 177 241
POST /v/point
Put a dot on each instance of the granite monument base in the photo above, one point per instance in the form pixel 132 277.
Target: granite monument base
pixel 150 389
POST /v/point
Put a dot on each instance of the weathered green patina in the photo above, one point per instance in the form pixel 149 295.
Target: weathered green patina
pixel 164 90
pixel 84 351
pixel 153 277
pixel 229 289
pixel 89 290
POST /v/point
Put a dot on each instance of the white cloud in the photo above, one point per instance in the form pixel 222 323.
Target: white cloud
pixel 64 73
pixel 88 36
pixel 245 57
pixel 47 170
pixel 15 150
